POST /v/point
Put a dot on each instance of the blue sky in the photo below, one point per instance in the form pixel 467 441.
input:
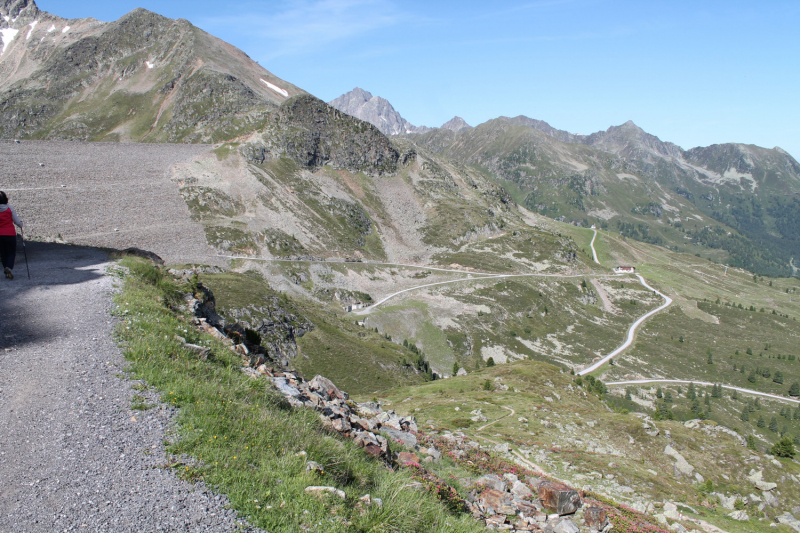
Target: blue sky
pixel 694 73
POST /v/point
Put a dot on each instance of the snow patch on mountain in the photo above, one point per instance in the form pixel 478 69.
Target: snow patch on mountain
pixel 275 88
pixel 8 35
pixel 30 31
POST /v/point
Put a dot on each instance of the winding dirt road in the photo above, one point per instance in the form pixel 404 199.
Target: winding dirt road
pixel 705 383
pixel 631 330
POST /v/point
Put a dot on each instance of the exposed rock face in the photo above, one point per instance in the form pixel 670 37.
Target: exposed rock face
pixel 456 124
pixel 313 134
pixel 19 12
pixel 279 329
pixel 375 110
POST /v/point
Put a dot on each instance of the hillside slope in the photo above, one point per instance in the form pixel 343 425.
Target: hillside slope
pixel 318 182
pixel 736 203
pixel 141 78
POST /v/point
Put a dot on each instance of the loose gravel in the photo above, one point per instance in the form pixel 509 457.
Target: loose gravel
pixel 74 456
pixel 112 195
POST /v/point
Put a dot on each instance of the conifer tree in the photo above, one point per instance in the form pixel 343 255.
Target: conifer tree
pixel 691 393
pixel 773 424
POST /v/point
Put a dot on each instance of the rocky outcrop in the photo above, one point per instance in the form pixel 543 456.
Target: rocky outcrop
pixel 266 333
pixel 313 134
pixel 363 423
pixel 278 327
pixel 19 12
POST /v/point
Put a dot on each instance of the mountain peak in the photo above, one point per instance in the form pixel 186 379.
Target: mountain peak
pixel 17 13
pixel 456 124
pixel 375 110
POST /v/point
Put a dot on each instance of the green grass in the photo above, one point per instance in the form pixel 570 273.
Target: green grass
pixel 245 441
pixel 575 436
pixel 355 358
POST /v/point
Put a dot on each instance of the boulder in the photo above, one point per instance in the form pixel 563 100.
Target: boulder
pixel 491 481
pixel 368 500
pixel 558 497
pixel 596 518
pixel 341 425
pixel 561 525
pixel 400 436
pixel 727 502
pixel 521 491
pixel 789 520
pixel 495 521
pixel 461 372
pixel 770 499
pixel 284 387
pixel 325 386
pixel 681 464
pixel 405 458
pixel 671 511
pixel 321 491
pixel 433 452
pixel 314 467
pixel 756 477
pixel 374 450
pixel 496 501
pixel 739 515
pixel 251 372
pixel 529 509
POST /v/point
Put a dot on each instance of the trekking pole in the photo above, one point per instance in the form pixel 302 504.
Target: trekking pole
pixel 25 252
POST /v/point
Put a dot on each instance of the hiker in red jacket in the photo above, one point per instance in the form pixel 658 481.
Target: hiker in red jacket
pixel 8 235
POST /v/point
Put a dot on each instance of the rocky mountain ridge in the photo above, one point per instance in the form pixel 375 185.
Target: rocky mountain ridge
pixel 143 77
pixel 739 199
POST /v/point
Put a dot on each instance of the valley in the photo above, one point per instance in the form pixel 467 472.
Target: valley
pixel 330 319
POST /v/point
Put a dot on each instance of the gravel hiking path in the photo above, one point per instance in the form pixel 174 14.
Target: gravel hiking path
pixel 73 455
pixel 112 195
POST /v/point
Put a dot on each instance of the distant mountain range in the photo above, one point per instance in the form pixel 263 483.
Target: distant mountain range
pixel 381 114
pixel 147 78
pixel 740 202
